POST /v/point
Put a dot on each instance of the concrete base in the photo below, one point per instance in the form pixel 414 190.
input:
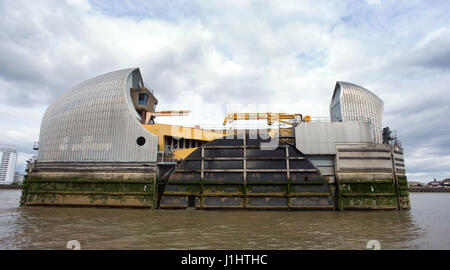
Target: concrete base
pixel 112 184
pixel 371 176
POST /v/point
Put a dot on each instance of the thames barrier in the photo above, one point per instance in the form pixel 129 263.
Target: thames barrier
pixel 101 146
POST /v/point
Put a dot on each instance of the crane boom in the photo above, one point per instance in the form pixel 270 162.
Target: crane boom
pixel 271 117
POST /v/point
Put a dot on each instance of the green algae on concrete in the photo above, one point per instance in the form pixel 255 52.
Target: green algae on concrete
pixel 88 192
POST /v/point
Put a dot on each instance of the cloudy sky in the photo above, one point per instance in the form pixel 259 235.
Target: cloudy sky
pixel 206 55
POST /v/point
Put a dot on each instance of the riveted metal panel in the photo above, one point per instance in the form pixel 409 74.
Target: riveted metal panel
pixel 231 152
pixel 247 177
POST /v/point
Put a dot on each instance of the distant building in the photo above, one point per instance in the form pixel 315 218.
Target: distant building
pixel 18 177
pixel 8 159
pixel 415 184
pixel 446 182
pixel 434 183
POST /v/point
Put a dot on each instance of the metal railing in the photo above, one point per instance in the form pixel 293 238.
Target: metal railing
pixel 165 156
pixel 276 125
pixel 239 126
pixel 347 119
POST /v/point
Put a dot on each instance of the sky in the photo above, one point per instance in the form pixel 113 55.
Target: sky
pixel 208 56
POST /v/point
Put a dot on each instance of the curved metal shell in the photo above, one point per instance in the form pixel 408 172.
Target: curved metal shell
pixel 96 121
pixel 351 102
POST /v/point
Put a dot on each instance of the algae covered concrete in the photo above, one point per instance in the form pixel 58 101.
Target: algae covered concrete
pixel 95 184
pixel 371 176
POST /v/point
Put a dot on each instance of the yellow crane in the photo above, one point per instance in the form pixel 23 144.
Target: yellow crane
pixel 150 116
pixel 271 117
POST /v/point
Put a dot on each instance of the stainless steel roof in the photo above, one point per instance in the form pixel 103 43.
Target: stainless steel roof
pixel 96 121
pixel 352 102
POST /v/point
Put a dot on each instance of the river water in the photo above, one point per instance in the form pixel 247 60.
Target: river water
pixel 425 226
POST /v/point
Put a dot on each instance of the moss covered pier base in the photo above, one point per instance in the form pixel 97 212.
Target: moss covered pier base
pixel 112 184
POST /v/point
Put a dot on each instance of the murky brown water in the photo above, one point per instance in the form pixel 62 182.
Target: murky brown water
pixel 426 226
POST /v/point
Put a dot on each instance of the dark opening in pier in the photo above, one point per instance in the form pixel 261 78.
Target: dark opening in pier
pixel 191 201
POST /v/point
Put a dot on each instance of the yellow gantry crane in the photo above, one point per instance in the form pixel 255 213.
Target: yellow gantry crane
pixel 271 117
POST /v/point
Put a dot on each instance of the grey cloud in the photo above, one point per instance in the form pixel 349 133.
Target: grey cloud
pixel 37 44
pixel 440 60
pixel 435 52
pixel 237 52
